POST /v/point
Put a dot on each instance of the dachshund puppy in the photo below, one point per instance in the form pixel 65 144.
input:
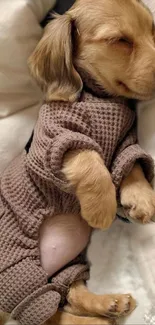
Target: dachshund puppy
pixel 113 43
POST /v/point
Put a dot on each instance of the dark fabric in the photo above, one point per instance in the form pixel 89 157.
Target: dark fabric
pixel 28 145
pixel 60 8
pixel 63 5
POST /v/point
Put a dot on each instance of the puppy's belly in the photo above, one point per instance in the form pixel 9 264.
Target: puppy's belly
pixel 62 238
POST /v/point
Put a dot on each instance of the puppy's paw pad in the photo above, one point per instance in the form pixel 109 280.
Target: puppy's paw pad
pixel 126 305
pixel 121 305
pixel 113 306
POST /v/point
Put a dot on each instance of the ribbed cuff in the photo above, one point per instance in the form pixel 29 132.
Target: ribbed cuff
pixel 124 163
pixel 38 307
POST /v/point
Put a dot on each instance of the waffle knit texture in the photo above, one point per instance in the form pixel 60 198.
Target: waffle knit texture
pixel 33 187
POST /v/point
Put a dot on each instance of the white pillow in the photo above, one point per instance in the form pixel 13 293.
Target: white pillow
pixel 151 5
pixel 20 97
pixel 19 34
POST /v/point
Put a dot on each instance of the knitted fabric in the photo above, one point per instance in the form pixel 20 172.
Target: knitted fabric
pixel 33 187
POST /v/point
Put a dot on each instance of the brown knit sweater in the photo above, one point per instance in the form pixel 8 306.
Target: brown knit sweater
pixel 33 187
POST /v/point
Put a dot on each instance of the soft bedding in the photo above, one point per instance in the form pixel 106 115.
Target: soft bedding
pixel 20 97
pixel 126 253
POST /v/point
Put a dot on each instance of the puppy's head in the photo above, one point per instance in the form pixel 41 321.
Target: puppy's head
pixel 112 40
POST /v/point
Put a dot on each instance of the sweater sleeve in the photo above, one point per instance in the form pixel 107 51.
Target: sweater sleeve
pixel 67 129
pixel 63 143
pixel 125 157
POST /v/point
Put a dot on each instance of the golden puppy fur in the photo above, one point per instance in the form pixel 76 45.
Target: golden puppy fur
pixel 113 40
pixel 91 179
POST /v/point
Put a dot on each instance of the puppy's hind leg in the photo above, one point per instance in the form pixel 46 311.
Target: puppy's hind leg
pixel 64 318
pixel 83 302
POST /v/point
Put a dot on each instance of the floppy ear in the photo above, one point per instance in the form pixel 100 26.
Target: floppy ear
pixel 52 62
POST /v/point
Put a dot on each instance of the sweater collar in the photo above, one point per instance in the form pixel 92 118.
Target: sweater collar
pixel 90 85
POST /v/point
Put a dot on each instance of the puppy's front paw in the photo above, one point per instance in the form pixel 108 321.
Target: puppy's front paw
pixel 98 203
pixel 87 173
pixel 139 202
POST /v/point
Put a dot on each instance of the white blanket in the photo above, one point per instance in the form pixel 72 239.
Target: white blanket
pixel 123 261
pixel 123 258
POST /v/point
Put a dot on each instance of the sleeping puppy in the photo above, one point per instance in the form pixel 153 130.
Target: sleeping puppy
pixel 113 41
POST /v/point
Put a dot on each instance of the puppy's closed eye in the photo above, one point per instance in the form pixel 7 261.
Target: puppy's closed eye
pixel 153 31
pixel 123 43
pixel 153 28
